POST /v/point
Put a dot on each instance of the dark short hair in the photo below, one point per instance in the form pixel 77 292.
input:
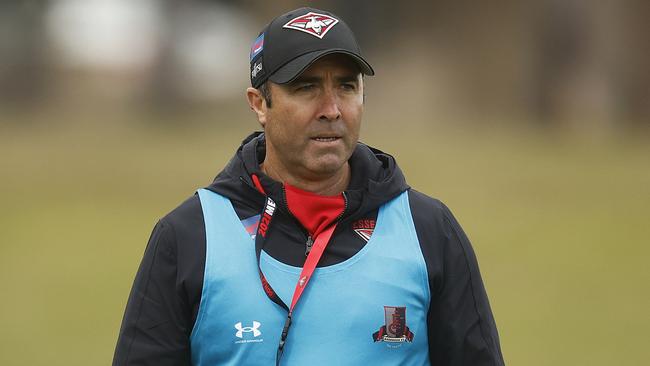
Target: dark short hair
pixel 265 91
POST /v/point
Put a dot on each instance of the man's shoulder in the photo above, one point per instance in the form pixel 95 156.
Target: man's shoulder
pixel 426 207
pixel 186 217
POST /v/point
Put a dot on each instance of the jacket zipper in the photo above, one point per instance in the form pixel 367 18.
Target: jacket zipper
pixel 345 207
pixel 308 245
pixel 309 241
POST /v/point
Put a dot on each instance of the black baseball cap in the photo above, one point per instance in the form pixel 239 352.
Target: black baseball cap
pixel 293 41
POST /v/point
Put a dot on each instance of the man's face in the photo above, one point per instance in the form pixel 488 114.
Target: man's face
pixel 313 124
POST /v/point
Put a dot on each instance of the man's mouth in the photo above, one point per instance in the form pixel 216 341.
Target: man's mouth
pixel 325 138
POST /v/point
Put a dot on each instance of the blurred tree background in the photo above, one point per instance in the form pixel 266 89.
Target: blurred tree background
pixel 530 119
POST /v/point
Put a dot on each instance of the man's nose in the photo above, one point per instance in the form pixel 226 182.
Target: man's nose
pixel 329 106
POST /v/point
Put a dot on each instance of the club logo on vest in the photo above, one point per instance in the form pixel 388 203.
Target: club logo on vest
pixel 248 334
pixel 395 331
pixel 312 23
pixel 364 228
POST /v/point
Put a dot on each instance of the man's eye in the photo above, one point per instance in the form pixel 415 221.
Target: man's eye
pixel 305 87
pixel 349 86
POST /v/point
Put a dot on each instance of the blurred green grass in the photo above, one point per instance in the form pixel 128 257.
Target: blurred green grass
pixel 560 226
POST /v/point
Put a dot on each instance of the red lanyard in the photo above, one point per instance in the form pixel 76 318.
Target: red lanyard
pixel 314 256
pixel 310 263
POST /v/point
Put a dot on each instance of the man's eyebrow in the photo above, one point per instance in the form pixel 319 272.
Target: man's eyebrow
pixel 348 78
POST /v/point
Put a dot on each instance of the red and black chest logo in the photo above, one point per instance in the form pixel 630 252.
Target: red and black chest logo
pixel 364 228
pixel 395 329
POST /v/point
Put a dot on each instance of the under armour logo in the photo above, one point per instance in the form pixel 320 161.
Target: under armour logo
pixel 241 329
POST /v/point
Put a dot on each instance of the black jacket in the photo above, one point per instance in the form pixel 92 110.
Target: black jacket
pixel 166 293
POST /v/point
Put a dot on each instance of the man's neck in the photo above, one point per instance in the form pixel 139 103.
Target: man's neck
pixel 327 186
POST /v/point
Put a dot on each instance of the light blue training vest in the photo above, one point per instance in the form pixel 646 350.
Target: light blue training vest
pixel 339 311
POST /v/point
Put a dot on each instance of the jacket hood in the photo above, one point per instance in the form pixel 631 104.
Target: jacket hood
pixel 375 178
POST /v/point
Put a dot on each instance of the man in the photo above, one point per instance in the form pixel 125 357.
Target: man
pixel 229 277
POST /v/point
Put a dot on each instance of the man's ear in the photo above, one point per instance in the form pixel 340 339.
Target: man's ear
pixel 257 104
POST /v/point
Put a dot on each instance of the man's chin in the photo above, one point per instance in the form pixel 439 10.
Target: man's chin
pixel 327 166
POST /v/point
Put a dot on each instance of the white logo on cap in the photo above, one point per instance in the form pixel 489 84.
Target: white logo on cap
pixel 312 23
pixel 256 68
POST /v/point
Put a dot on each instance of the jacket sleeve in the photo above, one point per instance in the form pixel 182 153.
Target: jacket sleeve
pixel 462 330
pixel 157 322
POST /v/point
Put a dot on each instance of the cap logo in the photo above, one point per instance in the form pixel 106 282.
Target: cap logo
pixel 256 69
pixel 312 23
pixel 257 46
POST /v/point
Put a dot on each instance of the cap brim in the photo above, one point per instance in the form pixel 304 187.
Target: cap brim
pixel 292 69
